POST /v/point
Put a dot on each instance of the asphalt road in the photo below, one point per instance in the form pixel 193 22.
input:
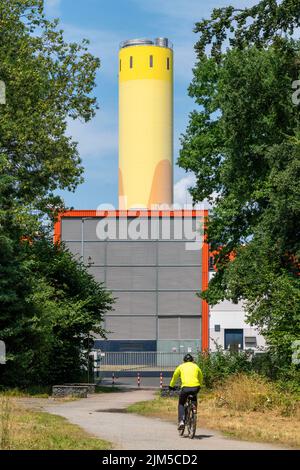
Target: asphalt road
pixel 103 415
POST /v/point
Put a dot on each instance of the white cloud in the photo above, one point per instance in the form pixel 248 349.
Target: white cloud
pixel 182 197
pixel 181 193
pixel 181 190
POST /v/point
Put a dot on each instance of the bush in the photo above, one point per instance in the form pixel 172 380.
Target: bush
pixel 274 367
pixel 48 328
pixel 219 365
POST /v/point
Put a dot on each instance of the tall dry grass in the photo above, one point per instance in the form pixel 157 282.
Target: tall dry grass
pixel 5 422
pixel 253 392
pixel 245 406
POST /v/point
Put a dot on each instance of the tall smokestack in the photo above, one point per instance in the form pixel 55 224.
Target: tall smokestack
pixel 145 123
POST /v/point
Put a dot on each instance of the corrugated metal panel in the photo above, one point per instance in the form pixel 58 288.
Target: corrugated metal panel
pixel 190 328
pixel 133 228
pixel 168 328
pixel 130 303
pixel 126 327
pixel 131 278
pixel 179 278
pixel 98 273
pixel 139 228
pixel 143 253
pixel 90 229
pixel 179 228
pixel 71 229
pixel 75 248
pixel 131 253
pixel 94 253
pixel 180 303
pixel 175 253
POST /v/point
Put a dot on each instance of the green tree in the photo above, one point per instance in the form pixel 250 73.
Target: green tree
pixel 50 307
pixel 243 145
pixel 48 81
pixel 49 303
pixel 258 25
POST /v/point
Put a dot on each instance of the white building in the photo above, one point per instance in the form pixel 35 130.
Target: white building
pixel 227 327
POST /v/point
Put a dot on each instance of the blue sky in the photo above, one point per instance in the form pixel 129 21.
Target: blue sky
pixel 107 23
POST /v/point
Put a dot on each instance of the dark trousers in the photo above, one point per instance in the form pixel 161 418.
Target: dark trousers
pixel 184 392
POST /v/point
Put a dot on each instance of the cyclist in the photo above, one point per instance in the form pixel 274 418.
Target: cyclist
pixel 191 380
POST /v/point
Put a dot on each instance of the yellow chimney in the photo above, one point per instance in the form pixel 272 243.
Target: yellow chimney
pixel 145 123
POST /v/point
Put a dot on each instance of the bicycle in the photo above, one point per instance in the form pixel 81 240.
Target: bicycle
pixel 190 417
pixel 190 410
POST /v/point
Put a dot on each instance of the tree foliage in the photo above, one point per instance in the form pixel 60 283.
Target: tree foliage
pixel 48 81
pixel 49 303
pixel 259 25
pixel 243 145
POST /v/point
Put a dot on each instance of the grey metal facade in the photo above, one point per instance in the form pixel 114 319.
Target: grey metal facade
pixel 154 281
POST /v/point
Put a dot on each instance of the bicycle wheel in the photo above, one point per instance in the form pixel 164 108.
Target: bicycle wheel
pixel 181 431
pixel 192 421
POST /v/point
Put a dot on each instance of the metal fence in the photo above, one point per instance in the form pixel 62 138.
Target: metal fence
pixel 130 361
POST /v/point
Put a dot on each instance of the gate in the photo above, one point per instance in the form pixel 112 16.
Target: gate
pixel 138 361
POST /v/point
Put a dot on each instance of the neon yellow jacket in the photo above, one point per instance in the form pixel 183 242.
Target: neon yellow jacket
pixel 190 375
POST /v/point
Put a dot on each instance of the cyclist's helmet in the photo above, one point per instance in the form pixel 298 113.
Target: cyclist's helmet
pixel 188 358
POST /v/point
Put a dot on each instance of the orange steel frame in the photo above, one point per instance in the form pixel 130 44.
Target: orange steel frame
pixel 153 213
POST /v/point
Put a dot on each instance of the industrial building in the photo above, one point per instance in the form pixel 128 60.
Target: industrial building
pixel 154 276
pixel 152 258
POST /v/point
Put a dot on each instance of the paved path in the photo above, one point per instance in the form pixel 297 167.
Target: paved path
pixel 103 416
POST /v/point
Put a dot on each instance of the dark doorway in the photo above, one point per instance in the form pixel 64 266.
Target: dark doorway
pixel 234 339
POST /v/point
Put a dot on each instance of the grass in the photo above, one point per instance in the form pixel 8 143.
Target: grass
pixel 21 429
pixel 33 391
pixel 5 425
pixel 244 407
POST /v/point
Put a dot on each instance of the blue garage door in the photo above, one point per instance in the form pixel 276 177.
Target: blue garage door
pixel 234 339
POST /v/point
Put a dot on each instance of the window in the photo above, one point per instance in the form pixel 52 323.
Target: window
pixel 168 63
pixel 233 339
pixel 250 342
pixel 131 61
pixel 151 61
